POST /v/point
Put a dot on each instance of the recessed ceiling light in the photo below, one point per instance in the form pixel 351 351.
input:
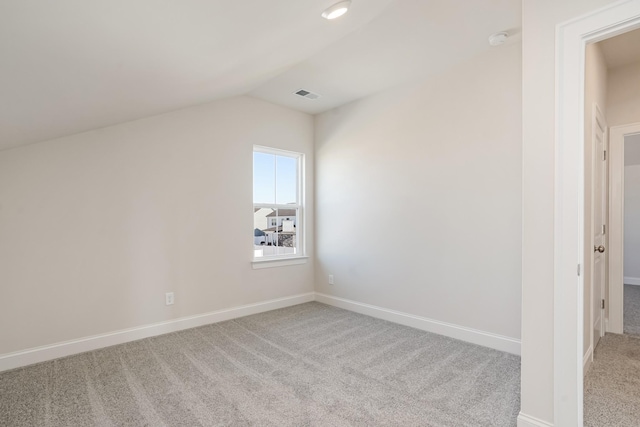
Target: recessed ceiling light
pixel 337 10
pixel 497 39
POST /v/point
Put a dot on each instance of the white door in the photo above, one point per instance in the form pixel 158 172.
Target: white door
pixel 599 224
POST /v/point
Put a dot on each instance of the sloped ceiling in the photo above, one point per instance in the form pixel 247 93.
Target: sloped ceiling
pixel 412 39
pixel 68 66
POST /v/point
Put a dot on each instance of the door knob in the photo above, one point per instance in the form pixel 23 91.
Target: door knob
pixel 598 249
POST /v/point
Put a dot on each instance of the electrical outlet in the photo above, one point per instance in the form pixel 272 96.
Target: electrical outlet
pixel 168 298
pixel 331 279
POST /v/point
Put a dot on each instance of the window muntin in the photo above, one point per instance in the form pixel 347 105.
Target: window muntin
pixel 277 203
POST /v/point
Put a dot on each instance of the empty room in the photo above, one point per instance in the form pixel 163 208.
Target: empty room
pixel 298 212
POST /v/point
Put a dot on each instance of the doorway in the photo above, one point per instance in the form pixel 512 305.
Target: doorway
pixel 570 238
pixel 611 69
pixel 610 95
pixel 631 235
pixel 624 207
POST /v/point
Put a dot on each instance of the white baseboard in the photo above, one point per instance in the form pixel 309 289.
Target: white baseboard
pixel 586 360
pixel 487 339
pixel 55 351
pixel 525 420
pixel 632 281
pixel 81 345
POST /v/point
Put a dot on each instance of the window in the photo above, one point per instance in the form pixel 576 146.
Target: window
pixel 277 204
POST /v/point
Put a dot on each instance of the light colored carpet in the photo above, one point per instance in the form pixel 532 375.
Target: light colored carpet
pixel 612 385
pixel 308 365
pixel 632 310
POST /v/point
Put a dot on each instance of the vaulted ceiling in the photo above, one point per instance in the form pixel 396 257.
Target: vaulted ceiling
pixel 68 66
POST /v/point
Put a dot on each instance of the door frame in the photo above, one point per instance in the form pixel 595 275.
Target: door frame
pixel 572 38
pixel 617 134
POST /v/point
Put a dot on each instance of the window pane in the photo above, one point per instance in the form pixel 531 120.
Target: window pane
pixel 264 175
pixel 287 221
pixel 286 180
pixel 287 244
pixel 264 232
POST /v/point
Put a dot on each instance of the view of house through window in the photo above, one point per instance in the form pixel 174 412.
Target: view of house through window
pixel 276 203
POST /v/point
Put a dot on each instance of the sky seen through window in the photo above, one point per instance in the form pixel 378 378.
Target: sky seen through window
pixel 274 179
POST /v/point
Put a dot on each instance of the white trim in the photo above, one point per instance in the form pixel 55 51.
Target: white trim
pixel 62 349
pixel 587 360
pixel 290 206
pixel 616 225
pixel 632 281
pixel 486 339
pixel 95 342
pixel 278 262
pixel 277 151
pixel 571 40
pixel 568 231
pixel 525 420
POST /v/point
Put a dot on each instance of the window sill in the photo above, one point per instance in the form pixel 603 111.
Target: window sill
pixel 278 262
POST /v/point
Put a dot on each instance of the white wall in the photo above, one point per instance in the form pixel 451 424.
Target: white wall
pixel 96 227
pixel 539 20
pixel 623 98
pixel 418 196
pixel 632 223
pixel 595 93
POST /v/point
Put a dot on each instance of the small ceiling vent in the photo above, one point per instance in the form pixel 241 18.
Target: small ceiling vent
pixel 307 94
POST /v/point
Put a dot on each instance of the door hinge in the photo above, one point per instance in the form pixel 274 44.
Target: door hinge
pixel 578 269
pixel 604 155
pixel 603 304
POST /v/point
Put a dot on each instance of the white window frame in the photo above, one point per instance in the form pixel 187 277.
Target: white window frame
pixel 300 256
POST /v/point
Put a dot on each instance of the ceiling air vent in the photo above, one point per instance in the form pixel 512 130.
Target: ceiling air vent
pixel 306 94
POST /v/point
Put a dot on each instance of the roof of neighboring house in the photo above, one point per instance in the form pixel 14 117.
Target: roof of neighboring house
pixel 262 209
pixel 282 212
pixel 279 230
